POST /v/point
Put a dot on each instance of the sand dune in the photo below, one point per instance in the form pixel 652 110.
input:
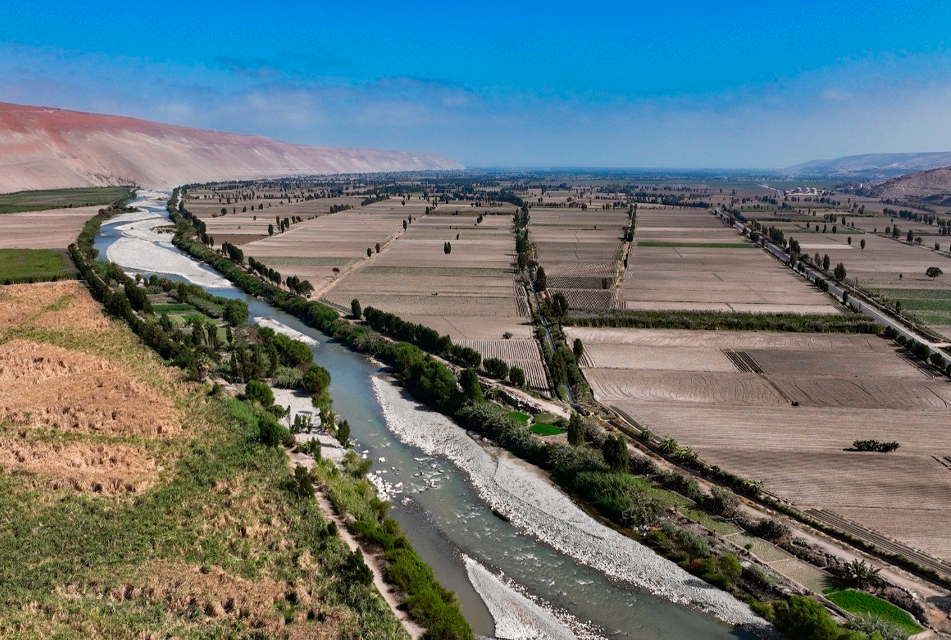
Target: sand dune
pixel 43 148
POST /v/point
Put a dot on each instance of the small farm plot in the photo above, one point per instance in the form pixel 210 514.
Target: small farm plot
pixel 515 353
pixel 692 262
pixel 580 251
pixel 785 409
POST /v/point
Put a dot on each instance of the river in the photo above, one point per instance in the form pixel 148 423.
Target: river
pixel 441 512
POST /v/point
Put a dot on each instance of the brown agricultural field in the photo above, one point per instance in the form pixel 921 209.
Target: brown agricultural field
pixel 687 260
pixel 470 294
pixel 729 396
pixel 51 229
pixel 313 249
pixel 580 251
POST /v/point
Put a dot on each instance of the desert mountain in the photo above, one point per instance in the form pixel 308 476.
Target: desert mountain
pixel 43 148
pixel 933 186
pixel 873 165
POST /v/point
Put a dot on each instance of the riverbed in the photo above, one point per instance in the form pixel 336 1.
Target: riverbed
pixel 523 578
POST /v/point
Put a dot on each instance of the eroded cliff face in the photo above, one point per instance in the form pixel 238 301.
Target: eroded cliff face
pixel 42 148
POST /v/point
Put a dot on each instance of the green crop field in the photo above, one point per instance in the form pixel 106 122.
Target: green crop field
pixel 32 265
pixel 543 429
pixel 931 306
pixel 858 602
pixel 521 417
pixel 61 198
pixel 172 307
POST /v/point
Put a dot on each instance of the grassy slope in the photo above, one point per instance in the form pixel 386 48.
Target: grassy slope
pixel 217 548
pixel 17 265
pixel 61 198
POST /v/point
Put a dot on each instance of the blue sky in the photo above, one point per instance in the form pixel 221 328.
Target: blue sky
pixel 659 84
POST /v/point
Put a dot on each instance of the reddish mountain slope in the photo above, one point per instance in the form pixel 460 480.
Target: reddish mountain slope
pixel 42 148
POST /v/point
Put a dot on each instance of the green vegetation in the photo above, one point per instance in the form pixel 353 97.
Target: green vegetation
pixel 858 602
pixel 32 265
pixel 428 602
pixel 166 560
pixel 544 429
pixel 724 321
pixel 803 618
pixel 700 245
pixel 929 306
pixel 173 307
pixel 62 198
pixel 522 418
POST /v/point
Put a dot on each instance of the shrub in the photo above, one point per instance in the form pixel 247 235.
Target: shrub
pixel 257 391
pixel 517 376
pixel 270 432
pixel 802 618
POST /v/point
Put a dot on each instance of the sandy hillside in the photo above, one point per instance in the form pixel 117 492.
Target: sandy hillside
pixel 43 148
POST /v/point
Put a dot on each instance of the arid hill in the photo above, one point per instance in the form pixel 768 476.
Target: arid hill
pixel 43 148
pixel 874 166
pixel 933 186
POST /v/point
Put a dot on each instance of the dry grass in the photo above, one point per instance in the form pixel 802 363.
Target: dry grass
pixel 132 505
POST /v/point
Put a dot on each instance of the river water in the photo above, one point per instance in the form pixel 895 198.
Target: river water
pixel 440 512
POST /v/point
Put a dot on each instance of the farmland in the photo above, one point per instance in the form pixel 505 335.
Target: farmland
pixel 580 251
pixel 470 294
pixel 52 229
pixel 687 260
pixel 61 199
pixel 21 265
pixel 730 396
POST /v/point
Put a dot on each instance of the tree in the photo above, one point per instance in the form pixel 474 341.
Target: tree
pixel 469 381
pixel 343 434
pixel 860 573
pixel 615 453
pixel 517 376
pixel 447 248
pixel 578 348
pixel 355 310
pixel 541 280
pixel 316 380
pixel 911 236
pixel 257 391
pixel 862 243
pixel 826 262
pixel 576 430
pixel 933 272
pixel 378 247
pixel 496 368
pixel 236 312
pixel 802 618
pixel 839 271
pixel 270 229
pixel 369 252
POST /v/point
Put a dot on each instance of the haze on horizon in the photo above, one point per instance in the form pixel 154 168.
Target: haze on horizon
pixel 691 84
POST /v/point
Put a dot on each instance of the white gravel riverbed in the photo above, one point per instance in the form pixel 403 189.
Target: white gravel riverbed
pixel 540 509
